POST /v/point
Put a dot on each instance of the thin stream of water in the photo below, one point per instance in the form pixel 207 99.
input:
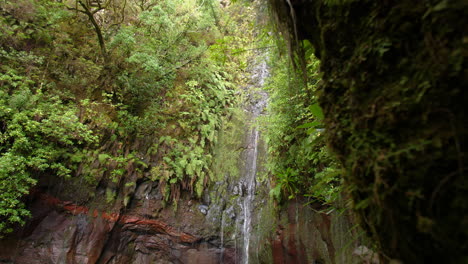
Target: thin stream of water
pixel 250 195
pixel 259 99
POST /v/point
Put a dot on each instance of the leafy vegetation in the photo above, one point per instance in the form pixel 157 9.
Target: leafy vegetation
pixel 112 92
pixel 298 158
pixel 393 95
pixel 37 135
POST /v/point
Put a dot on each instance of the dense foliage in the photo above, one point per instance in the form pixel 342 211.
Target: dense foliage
pixel 38 130
pixel 298 158
pixel 107 93
pixel 394 98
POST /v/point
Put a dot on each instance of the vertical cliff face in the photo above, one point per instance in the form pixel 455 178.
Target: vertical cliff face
pixel 394 95
pixel 235 221
pixel 65 232
pixel 113 222
pixel 305 235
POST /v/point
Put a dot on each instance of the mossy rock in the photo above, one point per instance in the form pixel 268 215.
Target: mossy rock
pixel 394 94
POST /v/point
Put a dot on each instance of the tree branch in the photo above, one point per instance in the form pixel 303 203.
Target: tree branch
pixel 97 29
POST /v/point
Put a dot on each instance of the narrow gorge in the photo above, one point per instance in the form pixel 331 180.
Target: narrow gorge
pixel 233 132
pixel 234 222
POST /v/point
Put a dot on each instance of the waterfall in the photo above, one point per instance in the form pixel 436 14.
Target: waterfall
pixel 258 101
pixel 250 194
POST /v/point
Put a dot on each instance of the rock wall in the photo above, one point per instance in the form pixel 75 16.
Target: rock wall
pixel 129 221
pixel 302 234
pixel 72 229
pixel 63 232
pixel 394 96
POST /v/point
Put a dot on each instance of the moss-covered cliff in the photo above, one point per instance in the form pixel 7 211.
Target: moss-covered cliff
pixel 394 95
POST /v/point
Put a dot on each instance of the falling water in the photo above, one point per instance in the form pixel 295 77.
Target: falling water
pixel 250 195
pixel 258 103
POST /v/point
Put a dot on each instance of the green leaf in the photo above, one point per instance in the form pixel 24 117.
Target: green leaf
pixel 103 157
pixel 173 180
pixel 313 124
pixel 316 110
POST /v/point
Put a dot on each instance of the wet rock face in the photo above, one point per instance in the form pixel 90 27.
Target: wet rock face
pixel 61 232
pixel 234 222
pixel 83 225
pixel 394 95
pixel 304 235
pixel 59 238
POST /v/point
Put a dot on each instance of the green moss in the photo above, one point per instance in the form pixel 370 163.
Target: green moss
pixel 394 95
pixel 229 146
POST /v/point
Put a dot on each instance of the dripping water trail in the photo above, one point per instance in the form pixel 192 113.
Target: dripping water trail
pixel 258 101
pixel 250 195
